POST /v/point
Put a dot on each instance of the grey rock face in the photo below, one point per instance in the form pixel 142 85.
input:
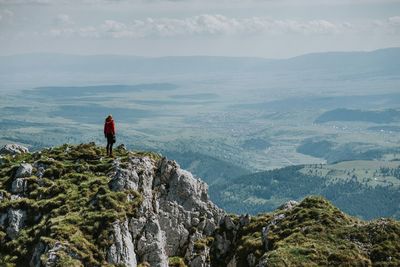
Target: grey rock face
pixel 19 185
pixel 265 230
pixel 122 250
pixel 124 179
pixel 232 262
pixel 175 211
pixel 229 223
pixel 288 205
pixel 3 219
pixel 151 245
pixel 251 259
pixel 16 219
pixel 52 257
pixel 24 170
pixel 40 168
pixel 201 259
pixel 48 255
pixel 13 149
pixel 37 252
pixel 174 214
pixel 222 244
pixel 244 219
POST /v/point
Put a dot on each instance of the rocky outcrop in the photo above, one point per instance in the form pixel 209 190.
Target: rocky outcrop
pixel 12 221
pixel 13 149
pixel 122 250
pixel 266 229
pixel 175 211
pixel 19 185
pixel 288 205
pixel 16 219
pixel 71 206
pixel 24 170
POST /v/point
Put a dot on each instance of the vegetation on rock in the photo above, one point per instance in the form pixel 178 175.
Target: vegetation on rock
pixel 315 233
pixel 71 203
pixel 68 202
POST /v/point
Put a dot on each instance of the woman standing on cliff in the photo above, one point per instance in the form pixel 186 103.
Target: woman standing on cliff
pixel 109 133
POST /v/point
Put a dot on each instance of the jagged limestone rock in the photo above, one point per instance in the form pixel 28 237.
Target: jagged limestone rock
pixel 251 259
pixel 172 200
pixel 232 262
pixel 265 230
pixel 40 168
pixel 229 223
pixel 13 149
pixel 151 245
pixel 3 219
pixel 201 259
pixel 141 208
pixel 19 185
pixel 288 205
pixel 52 256
pixel 122 250
pixel 24 170
pixel 38 250
pixel 16 220
pixel 198 253
pixel 124 179
pixel 222 244
pixel 244 219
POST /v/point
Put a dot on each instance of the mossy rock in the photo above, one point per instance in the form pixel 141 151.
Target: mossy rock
pixel 316 233
pixel 176 262
pixel 72 204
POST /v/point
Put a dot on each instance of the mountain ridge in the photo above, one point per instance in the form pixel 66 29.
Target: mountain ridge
pixel 378 50
pixel 71 206
pixel 385 59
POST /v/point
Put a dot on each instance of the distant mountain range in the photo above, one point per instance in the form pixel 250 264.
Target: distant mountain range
pixel 383 62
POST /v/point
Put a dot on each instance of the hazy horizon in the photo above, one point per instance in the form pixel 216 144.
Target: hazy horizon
pixel 251 28
pixel 199 55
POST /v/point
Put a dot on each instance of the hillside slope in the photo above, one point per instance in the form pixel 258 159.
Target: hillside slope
pixel 71 206
pixel 366 189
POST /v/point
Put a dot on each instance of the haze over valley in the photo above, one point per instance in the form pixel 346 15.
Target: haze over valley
pixel 219 117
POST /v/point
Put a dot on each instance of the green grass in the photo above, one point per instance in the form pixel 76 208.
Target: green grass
pixel 73 200
pixel 201 244
pixel 176 262
pixel 73 204
pixel 316 233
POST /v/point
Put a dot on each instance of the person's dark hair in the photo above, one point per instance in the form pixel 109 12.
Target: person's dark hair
pixel 109 117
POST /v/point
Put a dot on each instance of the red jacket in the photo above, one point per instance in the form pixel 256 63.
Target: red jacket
pixel 109 127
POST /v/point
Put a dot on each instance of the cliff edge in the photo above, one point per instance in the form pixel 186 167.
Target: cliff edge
pixel 71 206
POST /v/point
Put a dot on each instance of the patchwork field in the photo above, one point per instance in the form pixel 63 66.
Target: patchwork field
pixel 218 122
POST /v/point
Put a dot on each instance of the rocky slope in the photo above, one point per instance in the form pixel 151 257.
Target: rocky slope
pixel 71 206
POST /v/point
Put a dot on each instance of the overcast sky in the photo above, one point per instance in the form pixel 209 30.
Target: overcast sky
pixel 262 28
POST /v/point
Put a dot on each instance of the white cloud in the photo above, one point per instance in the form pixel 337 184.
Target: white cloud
pixel 394 21
pixel 206 24
pixel 6 14
pixel 63 20
pixel 389 25
pixel 23 2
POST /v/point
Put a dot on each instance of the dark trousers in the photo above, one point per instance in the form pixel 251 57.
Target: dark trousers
pixel 110 142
